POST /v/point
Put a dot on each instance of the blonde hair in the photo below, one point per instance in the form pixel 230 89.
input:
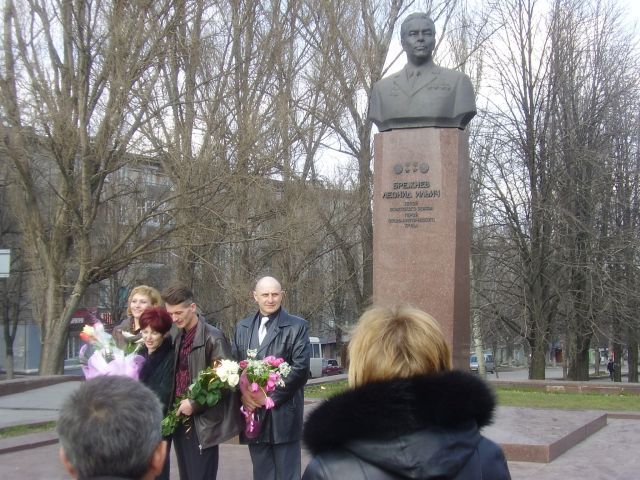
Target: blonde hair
pixel 396 342
pixel 147 291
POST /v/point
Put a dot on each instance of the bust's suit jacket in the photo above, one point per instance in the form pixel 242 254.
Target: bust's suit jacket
pixel 438 97
pixel 288 339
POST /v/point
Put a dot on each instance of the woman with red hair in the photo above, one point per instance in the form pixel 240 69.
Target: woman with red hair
pixel 157 370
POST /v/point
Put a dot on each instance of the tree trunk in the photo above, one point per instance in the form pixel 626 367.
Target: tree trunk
pixel 579 365
pixel 9 366
pixel 538 357
pixel 55 325
pixel 53 350
pixel 632 357
pixel 617 359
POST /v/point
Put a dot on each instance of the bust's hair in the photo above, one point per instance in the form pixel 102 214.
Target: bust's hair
pixel 396 342
pixel 413 16
pixel 147 291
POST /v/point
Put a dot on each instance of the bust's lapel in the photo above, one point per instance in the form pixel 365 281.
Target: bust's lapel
pixel 400 81
pixel 427 76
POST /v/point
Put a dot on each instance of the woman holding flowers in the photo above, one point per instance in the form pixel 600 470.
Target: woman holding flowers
pixel 406 414
pixel 140 298
pixel 157 370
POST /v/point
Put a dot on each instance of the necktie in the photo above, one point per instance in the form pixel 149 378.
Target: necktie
pixel 413 77
pixel 262 331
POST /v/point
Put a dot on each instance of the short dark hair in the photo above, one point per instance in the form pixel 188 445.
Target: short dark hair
pixel 110 426
pixel 177 294
pixel 157 318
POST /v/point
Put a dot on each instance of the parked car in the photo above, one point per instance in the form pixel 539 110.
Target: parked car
pixel 489 366
pixel 330 367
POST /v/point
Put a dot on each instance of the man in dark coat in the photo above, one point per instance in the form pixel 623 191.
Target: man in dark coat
pixel 198 346
pixel 275 453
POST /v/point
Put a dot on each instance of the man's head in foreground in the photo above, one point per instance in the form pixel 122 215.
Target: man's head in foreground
pixel 110 426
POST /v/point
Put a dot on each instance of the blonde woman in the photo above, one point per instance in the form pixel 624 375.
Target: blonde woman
pixel 140 298
pixel 406 413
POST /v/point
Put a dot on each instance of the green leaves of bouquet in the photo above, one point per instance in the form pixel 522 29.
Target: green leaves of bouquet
pixel 206 391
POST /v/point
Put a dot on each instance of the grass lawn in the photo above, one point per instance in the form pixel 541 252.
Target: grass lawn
pixel 524 398
pixel 25 429
pixel 567 401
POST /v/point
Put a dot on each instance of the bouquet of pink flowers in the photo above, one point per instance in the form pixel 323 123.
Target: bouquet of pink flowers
pixel 100 356
pixel 257 380
pixel 205 390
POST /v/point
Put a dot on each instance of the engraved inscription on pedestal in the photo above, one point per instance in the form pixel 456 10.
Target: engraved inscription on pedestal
pixel 412 197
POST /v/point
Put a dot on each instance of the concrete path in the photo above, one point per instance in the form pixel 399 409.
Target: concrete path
pixel 607 452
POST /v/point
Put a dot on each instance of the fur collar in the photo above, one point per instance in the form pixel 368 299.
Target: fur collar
pixel 389 409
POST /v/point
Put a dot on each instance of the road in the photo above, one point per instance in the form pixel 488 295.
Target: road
pixel 551 373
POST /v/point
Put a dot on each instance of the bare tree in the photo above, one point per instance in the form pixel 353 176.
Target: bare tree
pixel 74 92
pixel 588 43
pixel 521 176
pixel 12 289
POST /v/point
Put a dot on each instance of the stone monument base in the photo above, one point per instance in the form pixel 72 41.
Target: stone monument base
pixel 421 227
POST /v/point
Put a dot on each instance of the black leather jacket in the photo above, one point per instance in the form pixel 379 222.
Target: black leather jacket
pixel 213 425
pixel 420 428
pixel 289 339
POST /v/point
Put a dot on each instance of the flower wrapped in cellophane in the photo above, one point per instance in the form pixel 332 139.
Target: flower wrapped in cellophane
pixel 257 380
pixel 100 356
pixel 206 390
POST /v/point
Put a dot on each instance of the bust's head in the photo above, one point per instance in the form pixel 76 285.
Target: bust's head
pixel 418 38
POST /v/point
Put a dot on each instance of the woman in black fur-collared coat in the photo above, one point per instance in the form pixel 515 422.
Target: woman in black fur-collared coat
pixel 407 414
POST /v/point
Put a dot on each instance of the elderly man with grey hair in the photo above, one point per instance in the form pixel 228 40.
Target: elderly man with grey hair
pixel 110 428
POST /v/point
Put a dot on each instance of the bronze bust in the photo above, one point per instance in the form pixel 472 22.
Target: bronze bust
pixel 422 94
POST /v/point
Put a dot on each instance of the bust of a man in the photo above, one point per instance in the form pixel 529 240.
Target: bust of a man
pixel 422 94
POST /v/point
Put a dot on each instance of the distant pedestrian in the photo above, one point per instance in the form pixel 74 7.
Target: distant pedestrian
pixel 611 367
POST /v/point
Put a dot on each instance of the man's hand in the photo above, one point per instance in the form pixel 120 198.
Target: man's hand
pixel 249 402
pixel 185 407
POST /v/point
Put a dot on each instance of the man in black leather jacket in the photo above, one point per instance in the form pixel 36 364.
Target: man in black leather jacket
pixel 275 453
pixel 198 346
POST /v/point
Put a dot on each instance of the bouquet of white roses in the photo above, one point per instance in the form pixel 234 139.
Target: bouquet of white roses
pixel 206 390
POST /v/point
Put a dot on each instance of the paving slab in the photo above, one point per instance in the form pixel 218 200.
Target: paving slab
pixel 541 435
pixel 569 445
pixel 34 406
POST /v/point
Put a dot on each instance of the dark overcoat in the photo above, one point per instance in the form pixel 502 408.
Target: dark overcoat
pixel 287 339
